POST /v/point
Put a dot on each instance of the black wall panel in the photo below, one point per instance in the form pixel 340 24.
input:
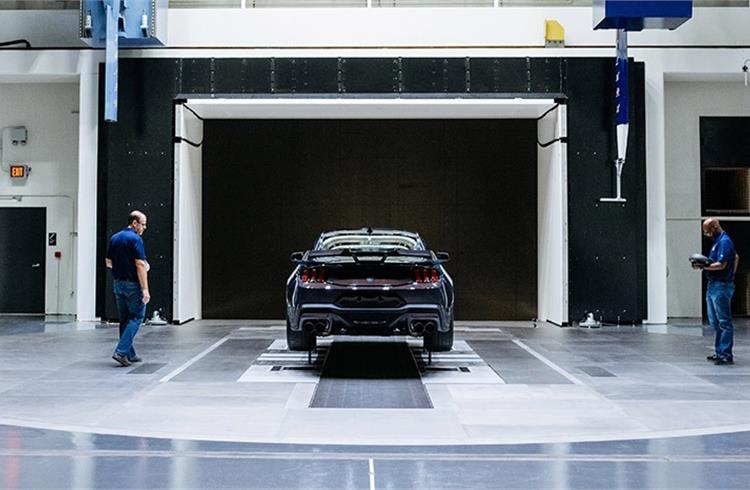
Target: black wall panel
pixel 499 75
pixel 607 254
pixel 136 165
pixel 243 76
pixel 724 141
pixel 547 75
pixel 196 76
pixel 433 75
pixel 310 76
pixel 607 241
pixel 371 75
pixel 316 76
pixel 282 183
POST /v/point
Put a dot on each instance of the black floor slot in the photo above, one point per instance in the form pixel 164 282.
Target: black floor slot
pixel 370 375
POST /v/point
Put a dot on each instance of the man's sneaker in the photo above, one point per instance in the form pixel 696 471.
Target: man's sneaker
pixel 720 362
pixel 121 358
pixel 134 359
pixel 712 358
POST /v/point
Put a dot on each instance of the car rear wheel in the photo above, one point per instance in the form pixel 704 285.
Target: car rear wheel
pixel 439 341
pixel 299 339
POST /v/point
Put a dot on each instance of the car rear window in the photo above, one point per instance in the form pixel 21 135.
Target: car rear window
pixel 368 242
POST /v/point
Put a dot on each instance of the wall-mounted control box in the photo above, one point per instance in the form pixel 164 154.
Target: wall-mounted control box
pixel 18 135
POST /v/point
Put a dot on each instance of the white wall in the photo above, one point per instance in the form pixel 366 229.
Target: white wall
pixel 50 113
pixel 398 27
pixel 685 102
pixel 36 70
pixel 552 220
pixel 188 253
pixel 698 52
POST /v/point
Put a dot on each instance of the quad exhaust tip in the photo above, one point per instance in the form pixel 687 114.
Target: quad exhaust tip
pixel 417 328
pixel 320 327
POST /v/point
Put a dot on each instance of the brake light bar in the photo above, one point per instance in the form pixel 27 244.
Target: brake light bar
pixel 426 275
pixel 313 274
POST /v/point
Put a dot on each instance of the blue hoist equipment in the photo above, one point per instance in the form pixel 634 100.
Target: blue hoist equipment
pixel 633 15
pixel 114 23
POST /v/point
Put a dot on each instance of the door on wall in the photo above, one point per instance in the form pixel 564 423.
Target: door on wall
pixel 22 259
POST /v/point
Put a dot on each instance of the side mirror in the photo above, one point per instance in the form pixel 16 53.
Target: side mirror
pixel 443 256
pixel 297 256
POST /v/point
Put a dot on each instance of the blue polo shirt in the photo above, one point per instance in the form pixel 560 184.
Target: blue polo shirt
pixel 124 248
pixel 722 251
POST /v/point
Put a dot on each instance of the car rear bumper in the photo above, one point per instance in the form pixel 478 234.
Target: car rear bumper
pixel 372 311
pixel 372 320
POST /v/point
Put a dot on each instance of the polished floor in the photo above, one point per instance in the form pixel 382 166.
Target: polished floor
pixel 225 405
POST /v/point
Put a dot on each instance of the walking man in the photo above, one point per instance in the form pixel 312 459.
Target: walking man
pixel 720 275
pixel 126 256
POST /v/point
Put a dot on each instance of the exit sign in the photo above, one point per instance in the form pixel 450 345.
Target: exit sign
pixel 19 171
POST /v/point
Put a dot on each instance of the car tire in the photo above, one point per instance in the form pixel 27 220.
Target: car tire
pixel 439 341
pixel 299 340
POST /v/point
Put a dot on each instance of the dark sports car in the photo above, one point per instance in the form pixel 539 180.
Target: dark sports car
pixel 369 282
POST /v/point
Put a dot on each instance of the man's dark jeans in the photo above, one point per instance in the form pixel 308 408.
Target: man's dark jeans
pixel 132 311
pixel 719 307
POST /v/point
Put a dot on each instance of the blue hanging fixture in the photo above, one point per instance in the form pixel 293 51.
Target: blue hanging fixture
pixel 110 24
pixel 624 16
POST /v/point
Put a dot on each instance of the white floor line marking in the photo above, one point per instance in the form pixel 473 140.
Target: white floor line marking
pixel 549 363
pixel 193 360
pixel 372 474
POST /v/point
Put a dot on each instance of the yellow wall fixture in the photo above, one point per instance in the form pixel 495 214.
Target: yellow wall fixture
pixel 554 34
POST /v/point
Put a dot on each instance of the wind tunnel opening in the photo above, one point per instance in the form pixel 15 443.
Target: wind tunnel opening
pixel 270 186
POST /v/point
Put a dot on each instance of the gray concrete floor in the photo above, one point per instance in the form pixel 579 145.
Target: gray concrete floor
pixel 225 405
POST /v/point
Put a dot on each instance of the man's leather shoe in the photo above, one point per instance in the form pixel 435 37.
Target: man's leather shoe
pixel 121 358
pixel 712 358
pixel 720 362
pixel 135 359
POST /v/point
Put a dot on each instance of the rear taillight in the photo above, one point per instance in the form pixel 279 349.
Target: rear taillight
pixel 312 274
pixel 426 275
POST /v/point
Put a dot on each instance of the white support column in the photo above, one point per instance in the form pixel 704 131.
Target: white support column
pixel 187 273
pixel 86 240
pixel 656 231
pixel 552 220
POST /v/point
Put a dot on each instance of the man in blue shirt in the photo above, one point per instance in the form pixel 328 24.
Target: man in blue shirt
pixel 720 275
pixel 126 256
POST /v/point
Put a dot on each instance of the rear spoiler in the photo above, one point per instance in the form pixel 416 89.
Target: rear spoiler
pixel 310 256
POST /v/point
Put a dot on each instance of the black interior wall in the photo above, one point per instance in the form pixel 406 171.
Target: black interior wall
pixel 136 171
pixel 607 252
pixel 271 186
pixel 725 165
pixel 607 241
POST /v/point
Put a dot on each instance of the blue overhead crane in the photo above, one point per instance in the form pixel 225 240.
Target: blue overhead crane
pixel 112 23
pixel 633 15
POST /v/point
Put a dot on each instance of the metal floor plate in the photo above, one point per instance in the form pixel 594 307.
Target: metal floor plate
pixel 514 364
pixel 226 363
